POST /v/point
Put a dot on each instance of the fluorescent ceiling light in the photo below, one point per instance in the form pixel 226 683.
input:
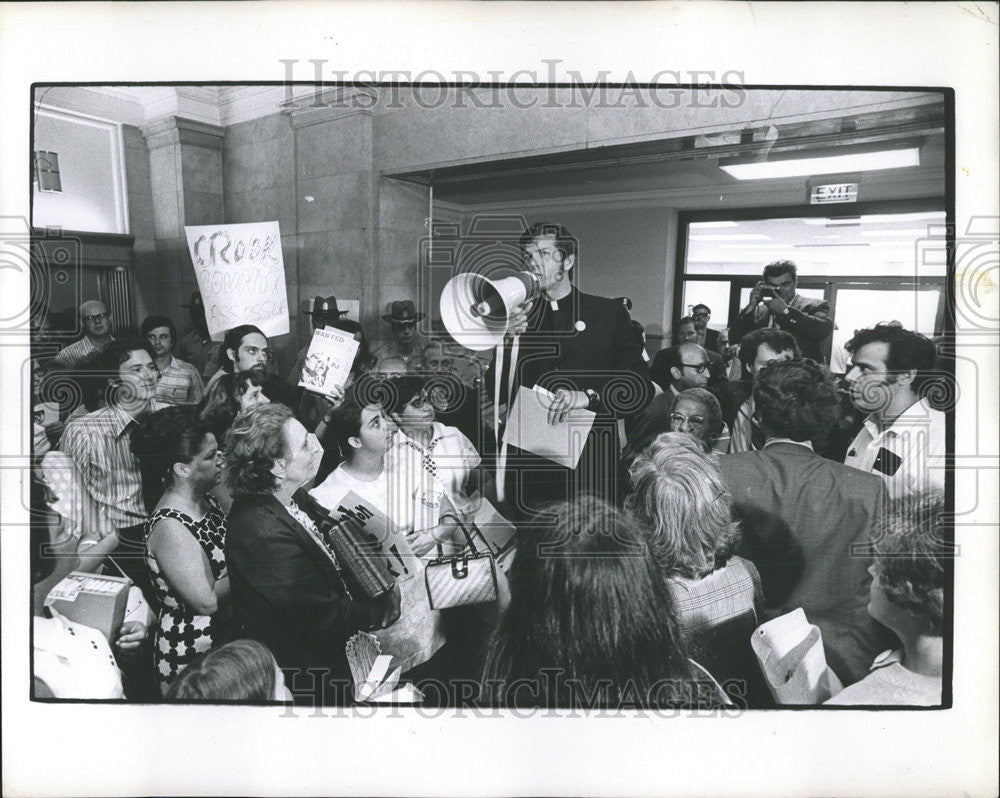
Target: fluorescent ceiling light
pixel 833 164
pixel 916 231
pixel 843 221
pixel 701 225
pixel 892 218
pixel 732 237
pixel 753 246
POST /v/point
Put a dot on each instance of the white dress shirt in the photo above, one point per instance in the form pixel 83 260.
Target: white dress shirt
pixel 916 438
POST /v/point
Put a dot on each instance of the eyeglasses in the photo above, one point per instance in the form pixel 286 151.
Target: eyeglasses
pixel 97 317
pixel 694 421
pixel 699 367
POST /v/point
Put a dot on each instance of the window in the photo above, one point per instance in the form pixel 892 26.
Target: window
pixel 869 265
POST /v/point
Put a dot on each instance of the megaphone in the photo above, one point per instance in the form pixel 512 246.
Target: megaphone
pixel 476 310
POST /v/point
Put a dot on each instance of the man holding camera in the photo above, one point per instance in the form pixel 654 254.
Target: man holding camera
pixel 774 303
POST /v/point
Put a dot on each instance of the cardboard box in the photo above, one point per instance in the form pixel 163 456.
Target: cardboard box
pixel 95 600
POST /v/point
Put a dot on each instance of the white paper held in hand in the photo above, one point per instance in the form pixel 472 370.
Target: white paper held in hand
pixel 791 656
pixel 528 428
pixel 328 361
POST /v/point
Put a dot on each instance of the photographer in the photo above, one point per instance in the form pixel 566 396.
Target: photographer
pixel 774 303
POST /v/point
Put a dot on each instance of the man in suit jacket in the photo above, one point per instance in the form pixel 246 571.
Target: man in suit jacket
pixel 774 303
pixel 807 521
pixel 661 372
pixel 707 337
pixel 582 348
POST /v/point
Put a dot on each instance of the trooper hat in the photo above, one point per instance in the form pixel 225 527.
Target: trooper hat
pixel 403 312
pixel 326 307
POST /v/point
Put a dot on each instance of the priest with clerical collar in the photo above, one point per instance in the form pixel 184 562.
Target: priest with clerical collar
pixel 581 348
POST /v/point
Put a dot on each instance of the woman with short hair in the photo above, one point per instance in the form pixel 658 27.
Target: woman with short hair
pixel 907 596
pixel 228 395
pixel 682 506
pixel 453 455
pixel 184 536
pixel 287 586
pixel 696 412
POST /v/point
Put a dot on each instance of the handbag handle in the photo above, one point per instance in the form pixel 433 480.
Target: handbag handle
pixel 465 531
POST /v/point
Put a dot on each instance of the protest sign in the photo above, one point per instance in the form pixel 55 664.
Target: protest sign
pixel 382 535
pixel 241 276
pixel 328 361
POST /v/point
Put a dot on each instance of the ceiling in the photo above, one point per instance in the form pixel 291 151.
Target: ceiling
pixel 682 163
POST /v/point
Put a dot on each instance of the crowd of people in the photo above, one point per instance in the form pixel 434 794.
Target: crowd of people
pixel 730 480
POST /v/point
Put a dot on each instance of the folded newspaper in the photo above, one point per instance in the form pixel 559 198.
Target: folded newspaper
pixel 373 681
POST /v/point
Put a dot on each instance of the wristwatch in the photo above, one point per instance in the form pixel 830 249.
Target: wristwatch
pixel 594 397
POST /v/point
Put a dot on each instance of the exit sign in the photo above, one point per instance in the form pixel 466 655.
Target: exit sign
pixel 833 192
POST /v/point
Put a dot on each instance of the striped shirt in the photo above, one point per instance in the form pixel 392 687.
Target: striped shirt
pixel 99 445
pixel 179 384
pixel 71 356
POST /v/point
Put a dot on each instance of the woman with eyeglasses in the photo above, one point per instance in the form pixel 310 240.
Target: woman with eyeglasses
pixel 407 491
pixel 696 412
pixel 185 533
pixel 454 456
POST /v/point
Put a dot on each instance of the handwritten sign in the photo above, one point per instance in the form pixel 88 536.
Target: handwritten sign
pixel 241 276
pixel 380 532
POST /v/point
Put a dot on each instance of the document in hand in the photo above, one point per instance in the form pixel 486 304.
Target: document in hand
pixel 328 361
pixel 791 656
pixel 528 428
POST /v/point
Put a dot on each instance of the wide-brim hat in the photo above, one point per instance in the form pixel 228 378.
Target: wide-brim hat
pixel 195 302
pixel 403 312
pixel 326 306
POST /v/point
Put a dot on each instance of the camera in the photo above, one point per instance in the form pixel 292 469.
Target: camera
pixel 768 292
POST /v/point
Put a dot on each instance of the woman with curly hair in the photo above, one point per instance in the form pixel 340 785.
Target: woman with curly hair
pixel 184 535
pixel 907 596
pixel 591 621
pixel 682 505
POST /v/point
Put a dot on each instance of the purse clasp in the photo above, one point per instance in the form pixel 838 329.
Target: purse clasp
pixel 460 570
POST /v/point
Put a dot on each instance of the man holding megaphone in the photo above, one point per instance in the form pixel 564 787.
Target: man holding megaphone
pixel 579 347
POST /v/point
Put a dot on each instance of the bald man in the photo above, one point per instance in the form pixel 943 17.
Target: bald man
pixel 96 333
